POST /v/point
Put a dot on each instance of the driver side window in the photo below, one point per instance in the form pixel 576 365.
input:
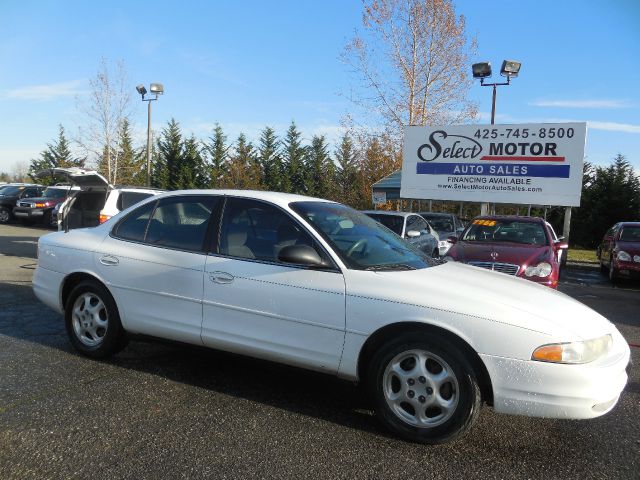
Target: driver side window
pixel 258 231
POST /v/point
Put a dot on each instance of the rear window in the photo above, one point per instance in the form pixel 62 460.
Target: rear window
pixel 392 222
pixel 126 199
pixel 11 190
pixel 52 192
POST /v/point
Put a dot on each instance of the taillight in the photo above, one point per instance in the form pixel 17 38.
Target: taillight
pixel 104 218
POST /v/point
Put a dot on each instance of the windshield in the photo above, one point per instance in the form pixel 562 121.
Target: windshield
pixel 508 231
pixel 630 234
pixel 439 223
pixel 11 190
pixel 361 242
pixel 392 222
pixel 55 192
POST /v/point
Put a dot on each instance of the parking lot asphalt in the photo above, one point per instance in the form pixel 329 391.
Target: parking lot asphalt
pixel 167 411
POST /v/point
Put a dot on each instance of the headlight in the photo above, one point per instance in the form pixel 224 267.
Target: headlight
pixel 636 258
pixel 543 269
pixel 574 352
pixel 448 259
pixel 624 256
pixel 443 243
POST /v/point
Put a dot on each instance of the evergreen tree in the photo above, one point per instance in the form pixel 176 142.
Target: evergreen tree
pixel 346 171
pixel 130 163
pixel 193 169
pixel 56 155
pixel 609 195
pixel 270 160
pixel 217 153
pixel 171 154
pixel 293 154
pixel 319 168
pixel 244 169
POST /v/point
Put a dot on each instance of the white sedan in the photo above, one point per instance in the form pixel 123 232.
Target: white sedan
pixel 316 284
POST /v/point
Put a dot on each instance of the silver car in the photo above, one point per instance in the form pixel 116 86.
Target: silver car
pixel 410 226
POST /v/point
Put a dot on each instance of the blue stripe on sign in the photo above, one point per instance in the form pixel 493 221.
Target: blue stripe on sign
pixel 494 169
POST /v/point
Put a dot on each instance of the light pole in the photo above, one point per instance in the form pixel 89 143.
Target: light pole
pixel 156 89
pixel 482 70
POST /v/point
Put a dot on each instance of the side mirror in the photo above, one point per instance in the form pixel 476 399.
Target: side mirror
pixel 301 255
pixel 453 239
pixel 413 234
pixel 561 245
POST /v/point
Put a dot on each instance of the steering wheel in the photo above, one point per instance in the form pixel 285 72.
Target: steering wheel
pixel 356 246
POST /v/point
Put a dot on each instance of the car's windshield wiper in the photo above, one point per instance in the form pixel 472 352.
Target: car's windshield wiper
pixel 390 266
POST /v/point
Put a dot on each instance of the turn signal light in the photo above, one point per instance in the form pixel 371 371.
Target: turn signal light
pixel 104 218
pixel 548 353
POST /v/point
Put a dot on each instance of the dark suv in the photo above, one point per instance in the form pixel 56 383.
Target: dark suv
pixel 39 209
pixel 10 194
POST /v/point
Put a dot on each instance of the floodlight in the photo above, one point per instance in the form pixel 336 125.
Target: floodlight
pixel 141 90
pixel 481 70
pixel 510 68
pixel 157 88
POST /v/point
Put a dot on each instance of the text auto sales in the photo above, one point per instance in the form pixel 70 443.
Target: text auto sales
pixel 443 147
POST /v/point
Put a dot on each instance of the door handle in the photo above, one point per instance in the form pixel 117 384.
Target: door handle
pixel 109 260
pixel 221 277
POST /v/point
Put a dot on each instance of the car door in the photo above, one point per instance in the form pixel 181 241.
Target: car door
pixel 154 263
pixel 255 304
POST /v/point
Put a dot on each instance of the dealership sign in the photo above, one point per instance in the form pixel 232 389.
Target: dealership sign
pixel 537 164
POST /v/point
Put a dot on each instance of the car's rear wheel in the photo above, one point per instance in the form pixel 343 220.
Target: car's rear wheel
pixel 92 321
pixel 5 215
pixel 423 388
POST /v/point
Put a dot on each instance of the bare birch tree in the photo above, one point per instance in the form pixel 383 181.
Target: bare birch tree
pixel 106 107
pixel 412 59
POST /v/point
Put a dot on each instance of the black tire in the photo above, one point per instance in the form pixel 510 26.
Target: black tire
pixel 613 276
pixel 438 426
pixel 5 215
pixel 47 219
pixel 95 310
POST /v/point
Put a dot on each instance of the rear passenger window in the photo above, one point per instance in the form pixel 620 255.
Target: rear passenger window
pixel 181 222
pixel 134 226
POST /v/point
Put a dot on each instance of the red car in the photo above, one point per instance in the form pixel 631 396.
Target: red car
pixel 619 251
pixel 522 246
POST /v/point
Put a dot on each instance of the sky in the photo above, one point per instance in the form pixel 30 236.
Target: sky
pixel 249 64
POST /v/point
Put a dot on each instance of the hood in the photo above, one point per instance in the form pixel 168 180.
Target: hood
pixel 502 253
pixel 86 179
pixel 463 289
pixel 632 248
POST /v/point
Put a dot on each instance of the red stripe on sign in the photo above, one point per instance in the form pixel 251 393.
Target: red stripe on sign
pixel 527 159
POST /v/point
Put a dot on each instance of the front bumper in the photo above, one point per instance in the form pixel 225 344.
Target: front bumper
pixel 553 390
pixel 29 213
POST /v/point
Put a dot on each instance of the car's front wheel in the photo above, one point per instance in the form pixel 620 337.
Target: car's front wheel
pixel 92 321
pixel 613 274
pixel 424 389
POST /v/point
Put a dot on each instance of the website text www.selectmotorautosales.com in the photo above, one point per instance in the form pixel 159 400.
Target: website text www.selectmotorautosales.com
pixel 491 184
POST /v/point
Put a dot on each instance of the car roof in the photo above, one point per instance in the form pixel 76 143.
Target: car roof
pixel 511 218
pixel 438 214
pixel 630 224
pixel 388 212
pixel 277 198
